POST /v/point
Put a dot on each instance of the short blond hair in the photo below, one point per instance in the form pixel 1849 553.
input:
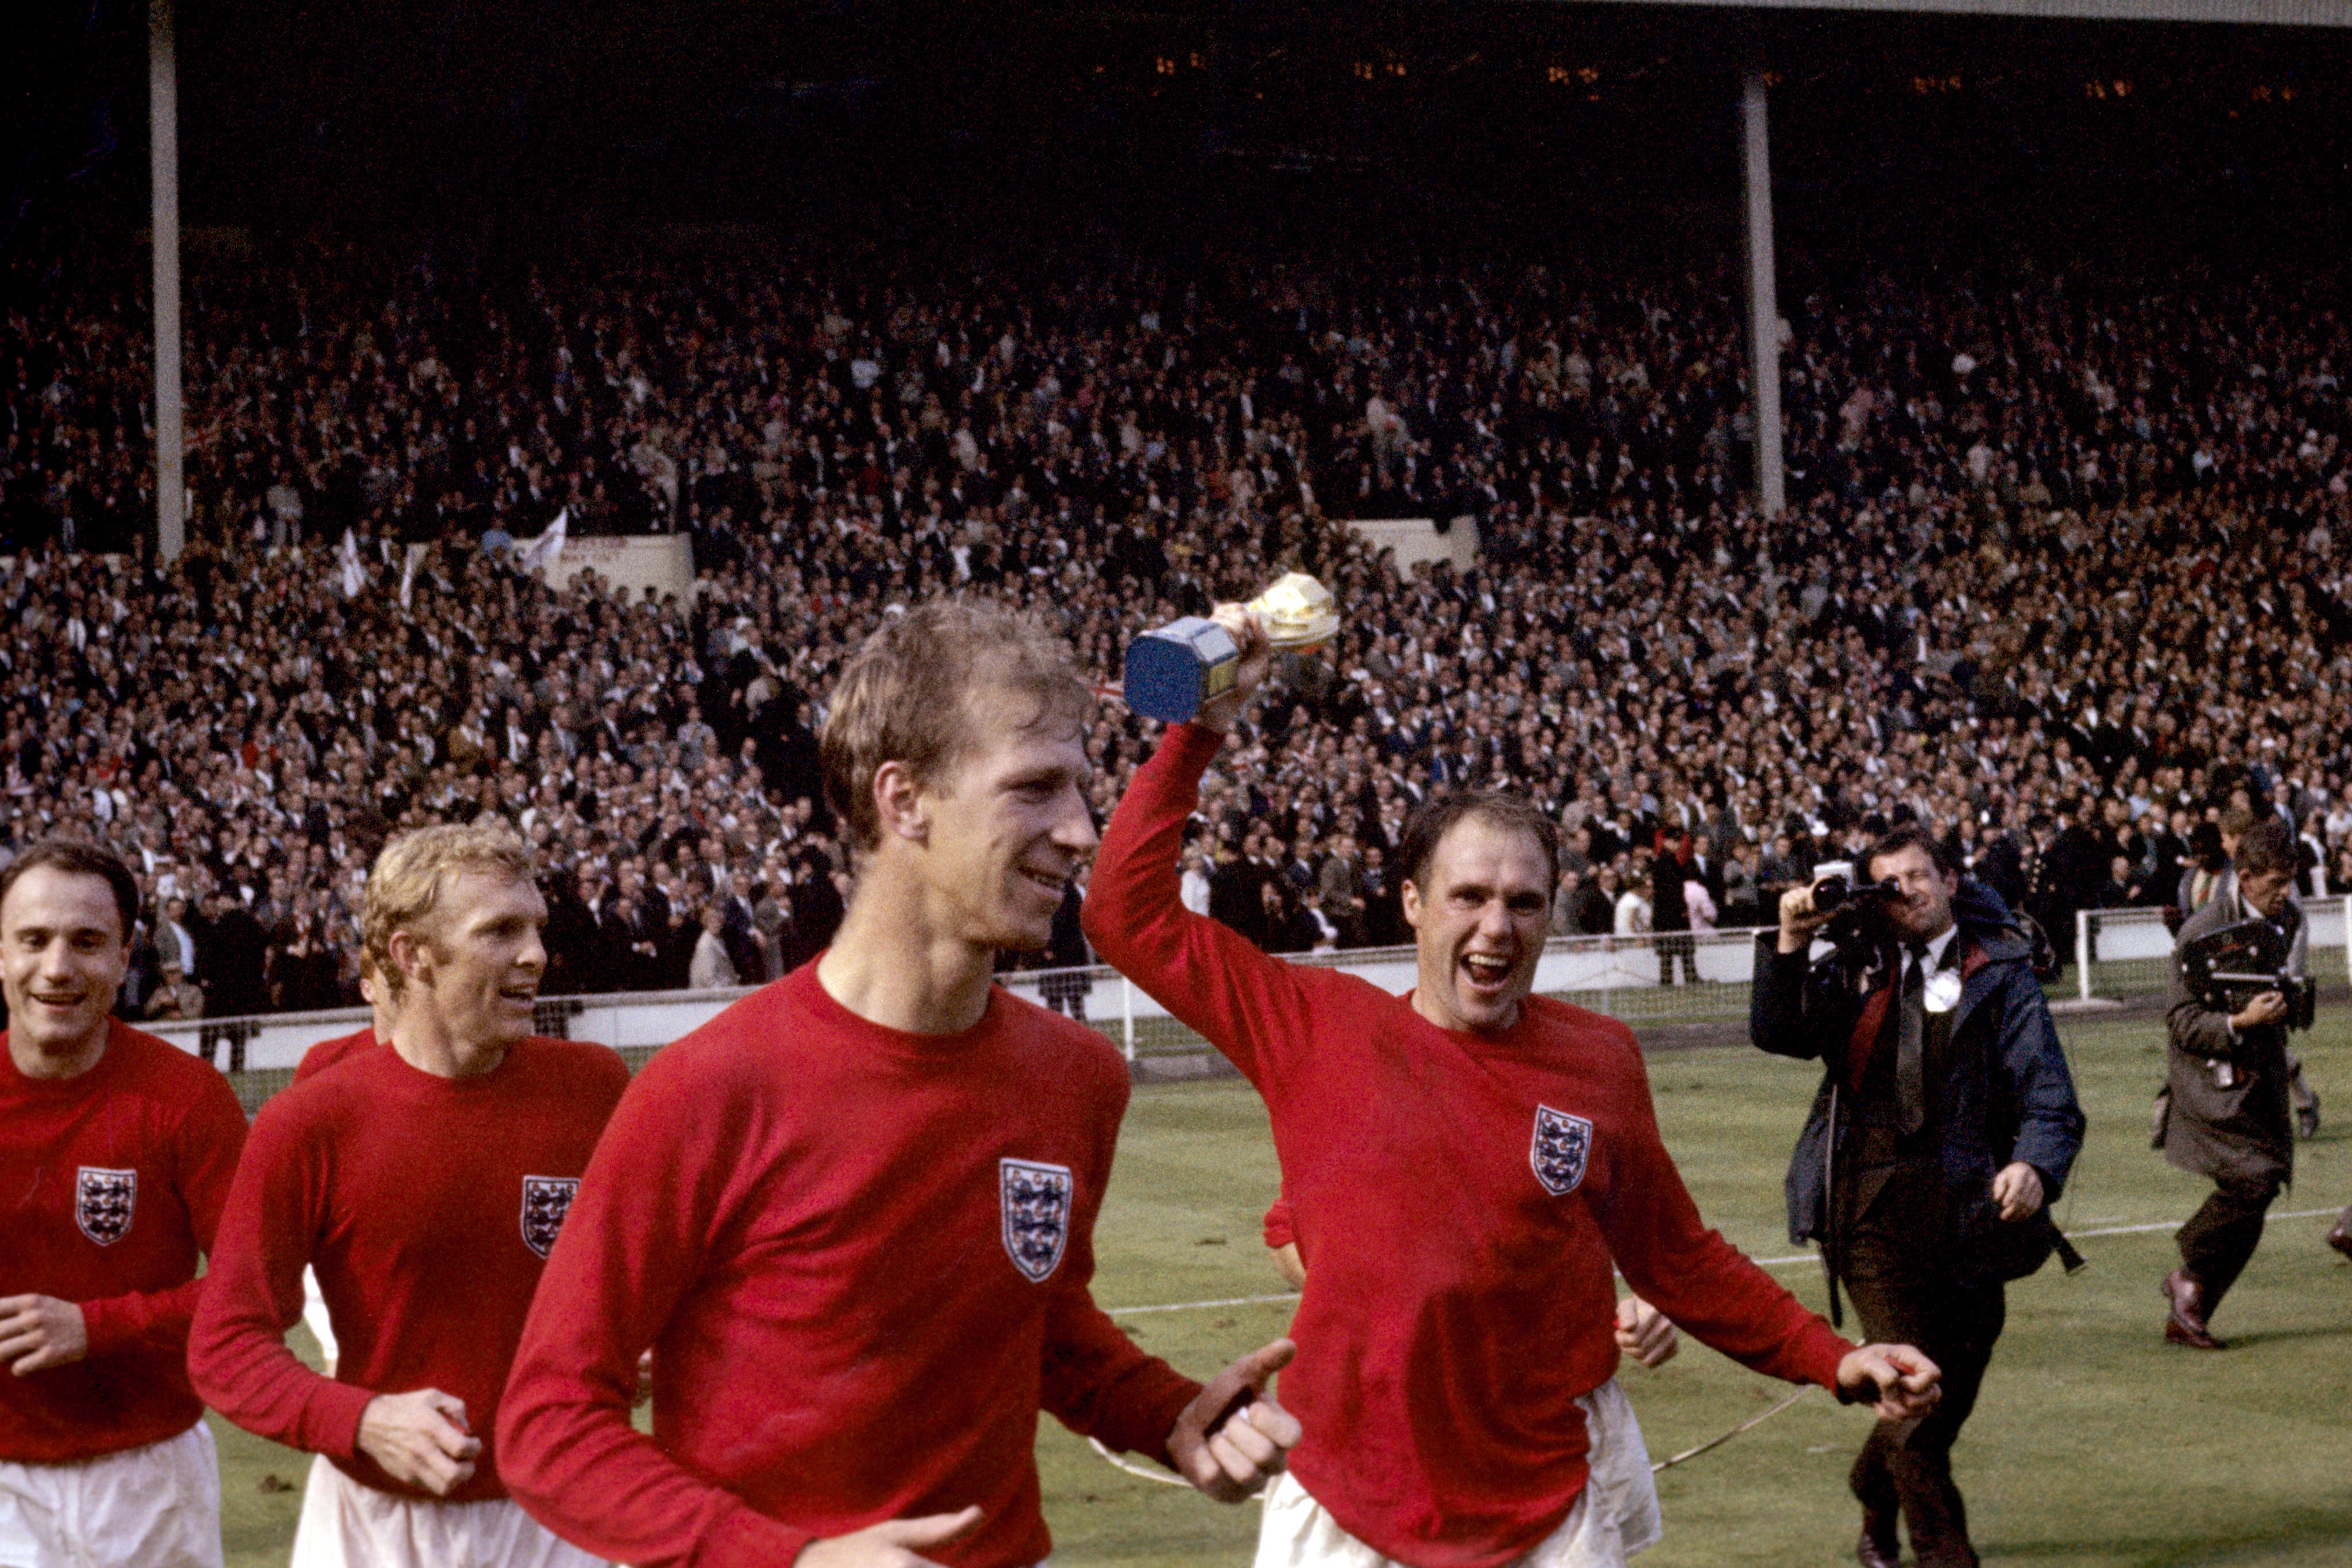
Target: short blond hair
pixel 409 877
pixel 907 696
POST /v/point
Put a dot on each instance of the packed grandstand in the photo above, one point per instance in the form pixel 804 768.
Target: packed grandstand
pixel 2064 572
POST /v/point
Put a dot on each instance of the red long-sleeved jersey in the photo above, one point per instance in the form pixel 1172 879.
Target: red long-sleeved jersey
pixel 861 1259
pixel 114 1182
pixel 427 1204
pixel 1461 1197
pixel 327 1052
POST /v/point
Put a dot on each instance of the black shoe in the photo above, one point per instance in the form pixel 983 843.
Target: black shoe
pixel 2341 1238
pixel 2306 1119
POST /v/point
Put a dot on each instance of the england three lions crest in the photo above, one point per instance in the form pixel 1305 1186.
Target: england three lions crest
pixel 545 1201
pixel 1562 1144
pixel 1036 1203
pixel 103 1202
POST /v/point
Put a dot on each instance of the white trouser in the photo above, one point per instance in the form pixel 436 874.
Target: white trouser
pixel 314 1316
pixel 347 1525
pixel 1615 1516
pixel 153 1506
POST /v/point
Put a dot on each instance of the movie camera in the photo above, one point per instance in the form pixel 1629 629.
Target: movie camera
pixel 2226 970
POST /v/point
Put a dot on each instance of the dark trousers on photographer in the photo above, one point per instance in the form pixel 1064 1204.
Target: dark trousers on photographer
pixel 1893 1267
pixel 2221 1237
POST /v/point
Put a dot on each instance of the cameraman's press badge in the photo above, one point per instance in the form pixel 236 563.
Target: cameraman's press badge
pixel 1942 993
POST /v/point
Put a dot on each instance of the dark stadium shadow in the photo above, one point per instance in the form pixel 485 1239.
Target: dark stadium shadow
pixel 2284 1531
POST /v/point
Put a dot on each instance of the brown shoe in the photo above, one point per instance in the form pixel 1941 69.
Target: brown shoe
pixel 2184 1323
pixel 1873 1552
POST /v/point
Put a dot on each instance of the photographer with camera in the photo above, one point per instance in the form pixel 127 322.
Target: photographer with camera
pixel 2238 985
pixel 1945 1125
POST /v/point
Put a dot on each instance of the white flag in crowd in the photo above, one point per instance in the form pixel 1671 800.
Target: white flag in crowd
pixel 354 574
pixel 408 575
pixel 541 553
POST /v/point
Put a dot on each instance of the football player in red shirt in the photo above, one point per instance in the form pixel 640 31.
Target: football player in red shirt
pixel 426 1183
pixel 853 1216
pixel 117 1150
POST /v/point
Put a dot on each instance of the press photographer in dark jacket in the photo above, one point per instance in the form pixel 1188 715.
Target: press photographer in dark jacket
pixel 1945 1125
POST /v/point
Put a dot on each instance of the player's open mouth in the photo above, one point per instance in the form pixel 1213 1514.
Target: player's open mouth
pixel 1055 885
pixel 1486 972
pixel 525 994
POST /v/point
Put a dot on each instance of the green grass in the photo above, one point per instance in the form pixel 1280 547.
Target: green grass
pixel 2094 1444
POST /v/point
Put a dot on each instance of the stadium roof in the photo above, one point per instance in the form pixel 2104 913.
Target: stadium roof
pixel 2258 12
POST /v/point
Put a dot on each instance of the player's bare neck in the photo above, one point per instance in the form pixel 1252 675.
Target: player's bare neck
pixel 428 1047
pixel 59 1065
pixel 892 969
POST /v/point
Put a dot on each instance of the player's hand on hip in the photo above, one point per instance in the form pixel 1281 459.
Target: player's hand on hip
pixel 421 1439
pixel 1645 1333
pixel 1232 1459
pixel 1907 1383
pixel 893 1543
pixel 2018 1189
pixel 40 1331
pixel 1247 628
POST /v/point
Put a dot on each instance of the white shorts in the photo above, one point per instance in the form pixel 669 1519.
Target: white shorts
pixel 314 1316
pixel 347 1525
pixel 1615 1516
pixel 153 1506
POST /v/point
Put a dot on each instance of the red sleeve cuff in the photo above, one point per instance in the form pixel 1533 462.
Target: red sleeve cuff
pixel 1822 1350
pixel 335 1411
pixel 107 1328
pixel 748 1538
pixel 1191 741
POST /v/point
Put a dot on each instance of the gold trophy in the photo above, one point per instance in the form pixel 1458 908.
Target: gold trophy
pixel 1171 670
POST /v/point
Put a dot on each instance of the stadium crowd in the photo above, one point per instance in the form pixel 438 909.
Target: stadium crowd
pixel 2066 570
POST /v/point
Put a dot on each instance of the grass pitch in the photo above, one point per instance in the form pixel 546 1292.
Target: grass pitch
pixel 2093 1444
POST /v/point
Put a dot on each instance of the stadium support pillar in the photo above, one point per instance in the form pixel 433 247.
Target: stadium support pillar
pixel 163 173
pixel 1763 300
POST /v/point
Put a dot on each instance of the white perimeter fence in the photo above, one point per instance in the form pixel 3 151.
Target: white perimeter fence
pixel 1619 976
pixel 2127 950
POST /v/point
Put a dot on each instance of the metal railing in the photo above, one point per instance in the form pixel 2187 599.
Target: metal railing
pixel 1622 977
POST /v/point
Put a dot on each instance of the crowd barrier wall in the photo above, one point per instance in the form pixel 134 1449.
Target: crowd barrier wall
pixel 1617 976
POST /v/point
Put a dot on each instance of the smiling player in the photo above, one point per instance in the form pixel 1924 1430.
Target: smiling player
pixel 116 1153
pixel 853 1216
pixel 426 1183
pixel 1464 1163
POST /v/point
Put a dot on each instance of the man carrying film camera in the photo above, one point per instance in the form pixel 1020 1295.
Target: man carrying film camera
pixel 1464 1163
pixel 1945 1125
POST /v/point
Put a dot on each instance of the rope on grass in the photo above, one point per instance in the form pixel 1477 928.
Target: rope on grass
pixel 1148 1473
pixel 1164 1479
pixel 1716 1442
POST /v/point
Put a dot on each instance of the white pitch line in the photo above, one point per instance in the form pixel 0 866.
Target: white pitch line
pixel 1790 1261
pixel 1187 1306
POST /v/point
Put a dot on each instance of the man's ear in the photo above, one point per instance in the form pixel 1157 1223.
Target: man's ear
pixel 900 803
pixel 1409 900
pixel 412 955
